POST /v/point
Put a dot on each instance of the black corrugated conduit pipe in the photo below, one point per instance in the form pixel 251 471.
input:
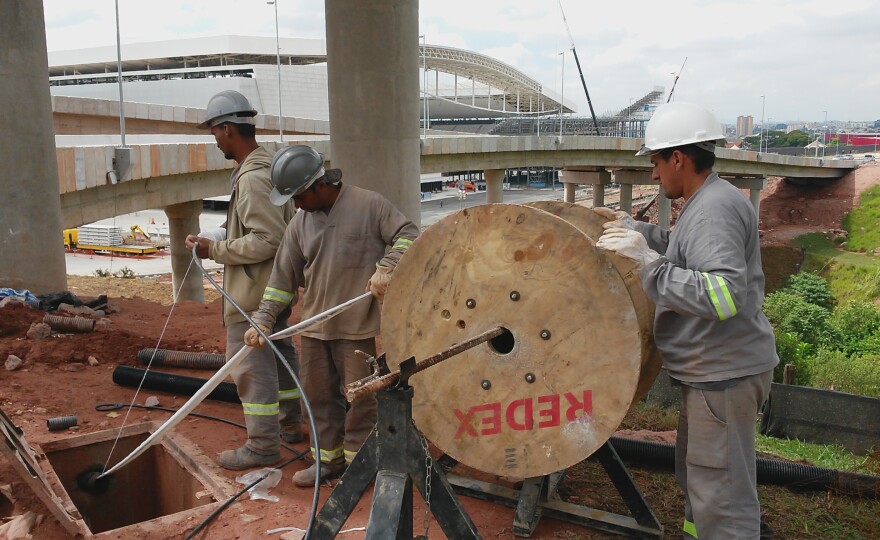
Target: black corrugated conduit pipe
pixel 770 471
pixel 165 357
pixel 171 383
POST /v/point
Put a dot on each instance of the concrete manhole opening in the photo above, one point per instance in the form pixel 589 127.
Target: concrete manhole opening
pixel 165 481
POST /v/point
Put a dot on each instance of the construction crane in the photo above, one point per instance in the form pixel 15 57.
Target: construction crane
pixel 675 80
pixel 578 62
pixel 641 213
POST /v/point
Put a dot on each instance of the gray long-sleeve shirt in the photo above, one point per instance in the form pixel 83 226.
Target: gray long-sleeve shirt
pixel 709 289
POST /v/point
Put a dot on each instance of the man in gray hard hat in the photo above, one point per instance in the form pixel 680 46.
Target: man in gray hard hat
pixel 246 245
pixel 344 238
pixel 717 346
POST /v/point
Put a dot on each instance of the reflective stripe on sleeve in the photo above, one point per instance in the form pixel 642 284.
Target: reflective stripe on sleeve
pixel 402 244
pixel 720 295
pixel 260 409
pixel 277 295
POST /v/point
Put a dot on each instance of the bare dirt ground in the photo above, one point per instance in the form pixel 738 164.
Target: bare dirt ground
pixel 58 379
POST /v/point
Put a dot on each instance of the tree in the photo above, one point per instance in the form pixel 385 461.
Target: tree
pixel 796 138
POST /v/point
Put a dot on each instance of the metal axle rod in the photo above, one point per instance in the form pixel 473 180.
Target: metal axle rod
pixel 374 383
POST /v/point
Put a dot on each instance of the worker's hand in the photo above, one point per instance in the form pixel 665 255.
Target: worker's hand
pixel 617 219
pixel 379 282
pixel 217 234
pixel 252 338
pixel 628 243
pixel 204 245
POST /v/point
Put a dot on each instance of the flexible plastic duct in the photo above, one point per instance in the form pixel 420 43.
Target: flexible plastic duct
pixel 770 471
pixel 164 357
pixel 171 383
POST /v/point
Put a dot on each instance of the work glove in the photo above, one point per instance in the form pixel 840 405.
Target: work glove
pixel 629 244
pixel 217 234
pixel 252 338
pixel 379 282
pixel 618 219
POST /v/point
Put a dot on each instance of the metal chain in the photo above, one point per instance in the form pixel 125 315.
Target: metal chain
pixel 428 468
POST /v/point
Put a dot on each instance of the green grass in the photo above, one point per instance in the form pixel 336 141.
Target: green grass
pixel 821 455
pixel 791 513
pixel 861 223
pixel 852 276
pixel 821 252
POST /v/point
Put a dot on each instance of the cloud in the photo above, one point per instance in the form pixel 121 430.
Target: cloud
pixel 804 56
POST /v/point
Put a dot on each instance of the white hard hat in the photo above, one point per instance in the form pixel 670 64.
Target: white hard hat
pixel 294 169
pixel 678 124
pixel 228 106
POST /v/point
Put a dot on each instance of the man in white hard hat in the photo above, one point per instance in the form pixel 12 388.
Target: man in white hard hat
pixel 246 245
pixel 343 239
pixel 706 279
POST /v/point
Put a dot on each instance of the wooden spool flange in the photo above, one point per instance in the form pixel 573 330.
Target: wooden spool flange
pixel 590 223
pixel 549 393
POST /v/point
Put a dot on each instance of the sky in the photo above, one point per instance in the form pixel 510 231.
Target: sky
pixel 805 57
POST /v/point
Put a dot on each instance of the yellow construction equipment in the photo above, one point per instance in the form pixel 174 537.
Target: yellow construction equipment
pixel 71 243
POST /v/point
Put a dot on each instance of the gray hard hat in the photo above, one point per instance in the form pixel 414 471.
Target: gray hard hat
pixel 294 169
pixel 228 106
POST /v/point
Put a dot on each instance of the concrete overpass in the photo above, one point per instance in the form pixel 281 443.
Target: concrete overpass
pixel 167 174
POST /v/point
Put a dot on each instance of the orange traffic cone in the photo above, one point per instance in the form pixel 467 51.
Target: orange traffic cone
pixel 152 221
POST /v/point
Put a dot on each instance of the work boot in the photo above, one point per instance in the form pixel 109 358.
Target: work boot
pixel 292 433
pixel 245 458
pixel 306 477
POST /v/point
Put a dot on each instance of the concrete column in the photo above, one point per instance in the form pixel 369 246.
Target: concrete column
pixel 598 195
pixel 30 219
pixel 626 198
pixel 183 219
pixel 494 185
pixel 569 193
pixel 755 199
pixel 373 84
pixel 664 210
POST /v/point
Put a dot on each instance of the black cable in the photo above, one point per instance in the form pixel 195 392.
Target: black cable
pixel 102 407
pixel 230 500
pixel 116 406
pixel 315 442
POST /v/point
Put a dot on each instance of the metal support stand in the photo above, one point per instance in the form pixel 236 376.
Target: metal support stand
pixel 397 446
pixel 538 498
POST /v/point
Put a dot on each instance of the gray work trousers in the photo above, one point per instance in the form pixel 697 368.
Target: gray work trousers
pixel 715 459
pixel 268 394
pixel 327 366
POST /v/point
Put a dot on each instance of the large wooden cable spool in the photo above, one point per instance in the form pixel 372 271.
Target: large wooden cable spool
pixel 550 391
pixel 590 223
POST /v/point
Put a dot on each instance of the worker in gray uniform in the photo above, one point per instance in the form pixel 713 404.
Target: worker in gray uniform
pixel 706 279
pixel 343 239
pixel 246 245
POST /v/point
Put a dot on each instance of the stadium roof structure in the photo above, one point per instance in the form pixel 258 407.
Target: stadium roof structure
pixel 483 87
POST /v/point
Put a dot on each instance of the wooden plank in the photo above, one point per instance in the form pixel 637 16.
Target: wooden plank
pixel 24 461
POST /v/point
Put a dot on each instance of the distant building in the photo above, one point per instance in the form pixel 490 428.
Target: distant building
pixel 744 126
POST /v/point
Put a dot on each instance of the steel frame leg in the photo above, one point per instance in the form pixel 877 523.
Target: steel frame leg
pixel 397 445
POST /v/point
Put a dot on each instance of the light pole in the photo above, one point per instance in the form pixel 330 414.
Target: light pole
pixel 761 138
pixel 424 86
pixel 119 77
pixel 278 62
pixel 824 133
